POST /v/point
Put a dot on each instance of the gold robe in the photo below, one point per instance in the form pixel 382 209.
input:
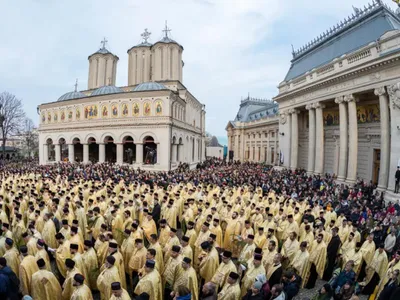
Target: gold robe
pixel 80 265
pixel 149 228
pixel 124 296
pixel 27 268
pixel 172 241
pixel 43 254
pixel 68 287
pixel 230 292
pixel 259 240
pixel 118 229
pixel 13 260
pixel 172 271
pixel 127 249
pixel 218 232
pixel 289 249
pixel 299 263
pixel 393 265
pixel 251 273
pixel 222 273
pixel 76 239
pixel 49 233
pixel 150 283
pixel 268 258
pixel 62 253
pixel 378 264
pixel 82 292
pixel 247 252
pixel 187 252
pixel 232 232
pixel 188 278
pixel 368 251
pixel 92 266
pixel 106 277
pixel 159 256
pixel 209 264
pixel 45 286
pixel 318 258
pixel 137 260
pixel 202 237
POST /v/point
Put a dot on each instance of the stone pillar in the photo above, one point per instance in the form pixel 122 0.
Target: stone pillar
pixel 102 153
pixel 353 139
pixel 236 154
pixel 45 153
pixel 174 149
pixel 71 153
pixel 311 139
pixel 394 93
pixel 85 153
pixel 120 154
pixel 385 138
pixel 294 144
pixel 319 138
pixel 57 148
pixel 139 153
pixel 343 152
pixel 158 156
pixel 275 161
pixel 180 152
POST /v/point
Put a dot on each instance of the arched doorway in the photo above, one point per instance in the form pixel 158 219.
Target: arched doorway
pixel 93 150
pixel 193 147
pixel 51 151
pixel 111 149
pixel 63 150
pixel 129 150
pixel 149 151
pixel 180 150
pixel 174 150
pixel 78 150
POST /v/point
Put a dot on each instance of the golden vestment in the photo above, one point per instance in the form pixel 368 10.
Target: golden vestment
pixel 150 283
pixel 222 273
pixel 45 286
pixel 13 260
pixel 318 258
pixel 92 266
pixel 232 231
pixel 62 253
pixel 27 268
pixel 300 262
pixel 378 264
pixel 188 278
pixel 251 273
pixel 43 254
pixel 247 252
pixel 137 260
pixel 82 292
pixel 368 251
pixel 48 233
pixel 68 287
pixel 124 296
pixel 393 265
pixel 106 277
pixel 230 292
pixel 172 271
pixel 289 249
pixel 159 256
pixel 208 265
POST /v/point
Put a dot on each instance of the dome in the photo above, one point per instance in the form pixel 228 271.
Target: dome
pixel 142 44
pixel 107 89
pixel 167 40
pixel 71 95
pixel 149 86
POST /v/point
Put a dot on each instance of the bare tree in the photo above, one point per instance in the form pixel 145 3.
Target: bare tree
pixel 11 117
pixel 30 138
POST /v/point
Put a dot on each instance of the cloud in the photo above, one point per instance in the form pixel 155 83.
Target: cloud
pixel 232 47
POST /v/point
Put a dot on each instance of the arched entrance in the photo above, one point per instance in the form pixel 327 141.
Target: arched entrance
pixel 180 150
pixel 129 150
pixel 63 150
pixel 111 149
pixel 93 150
pixel 78 150
pixel 149 151
pixel 51 150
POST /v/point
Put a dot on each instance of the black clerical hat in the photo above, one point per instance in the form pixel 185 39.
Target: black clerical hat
pixel 234 275
pixel 150 263
pixel 79 278
pixel 40 262
pixel 111 259
pixel 69 263
pixel 176 249
pixel 115 286
pixel 187 260
pixel 74 246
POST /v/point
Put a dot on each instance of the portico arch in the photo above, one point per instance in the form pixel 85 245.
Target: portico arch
pixel 149 150
pixel 129 149
pixel 63 149
pixel 78 149
pixel 111 149
pixel 93 149
pixel 50 154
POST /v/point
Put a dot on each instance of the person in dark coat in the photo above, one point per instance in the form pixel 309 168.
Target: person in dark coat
pixel 9 282
pixel 332 250
pixel 255 292
pixel 156 210
pixel 291 284
pixel 390 286
pixel 276 275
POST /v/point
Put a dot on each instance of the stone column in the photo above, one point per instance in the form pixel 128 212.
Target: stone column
pixel 102 153
pixel 343 152
pixel 85 153
pixel 294 144
pixel 394 93
pixel 174 152
pixel 45 153
pixel 57 148
pixel 71 153
pixel 236 154
pixel 120 154
pixel 385 138
pixel 319 138
pixel 276 152
pixel 311 139
pixel 139 153
pixel 353 139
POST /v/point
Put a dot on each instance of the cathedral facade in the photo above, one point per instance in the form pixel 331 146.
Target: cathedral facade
pixel 339 103
pixel 153 122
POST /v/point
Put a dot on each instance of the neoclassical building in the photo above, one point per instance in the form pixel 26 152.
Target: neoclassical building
pixel 253 134
pixel 339 103
pixel 153 123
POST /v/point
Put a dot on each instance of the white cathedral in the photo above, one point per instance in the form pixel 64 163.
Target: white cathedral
pixel 153 123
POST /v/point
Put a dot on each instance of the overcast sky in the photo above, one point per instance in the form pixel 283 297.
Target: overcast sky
pixel 232 47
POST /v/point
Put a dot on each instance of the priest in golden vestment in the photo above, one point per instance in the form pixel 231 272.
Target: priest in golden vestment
pixel 149 226
pixel 172 241
pixel 62 253
pixel 217 231
pixel 136 261
pixel 231 289
pixel 347 248
pixel 187 251
pixel 291 227
pixel 42 253
pixel 170 213
pixel 107 276
pixel 117 226
pixel 289 248
pixel 92 266
pixel 317 261
pixel 300 261
pixel 269 254
pixel 49 232
pixel 27 268
pixel 12 256
pixel 68 287
pixel 119 262
pixel 81 290
pixel 224 269
pixel 187 278
pixel 232 234
pixel 260 238
pixel 209 261
pixel 172 270
pixel 127 247
pixel 79 264
pixel 253 270
pixel 248 250
pixel 393 265
pixel 202 237
pixel 44 285
pixel 376 270
pixel 118 293
pixel 154 244
pixel 150 282
pixel 367 250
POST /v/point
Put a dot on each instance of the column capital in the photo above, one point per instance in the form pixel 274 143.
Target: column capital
pixel 339 100
pixel 350 98
pixel 293 111
pixel 394 93
pixel 380 91
pixel 309 106
pixel 318 105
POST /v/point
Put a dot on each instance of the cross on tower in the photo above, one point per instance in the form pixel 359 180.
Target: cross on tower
pixel 145 35
pixel 76 85
pixel 104 42
pixel 166 30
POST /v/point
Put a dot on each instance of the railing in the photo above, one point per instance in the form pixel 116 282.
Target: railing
pixel 359 56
